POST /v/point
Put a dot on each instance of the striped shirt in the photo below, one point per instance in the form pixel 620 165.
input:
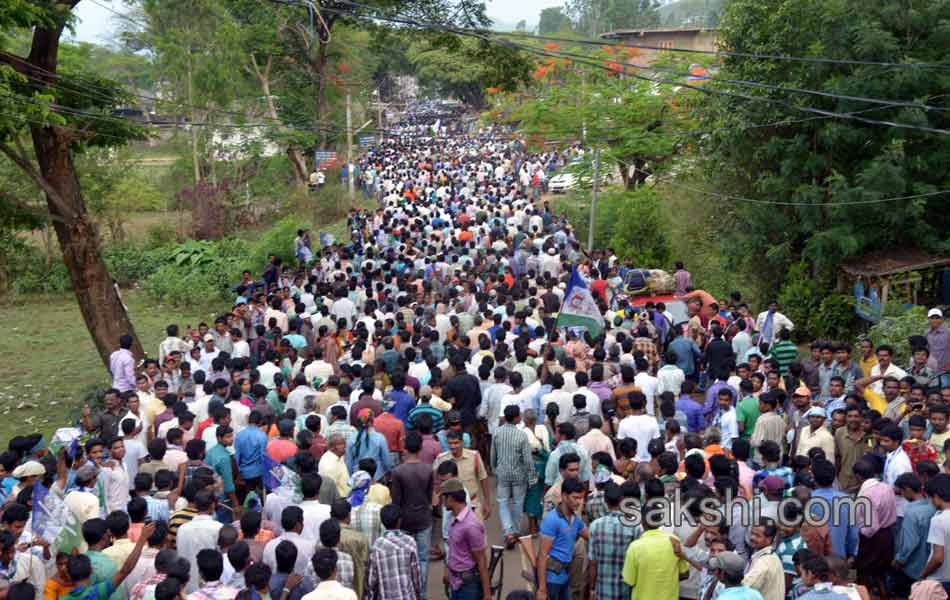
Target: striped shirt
pixel 608 540
pixel 366 520
pixel 393 568
pixel 511 458
pixel 178 519
pixel 784 352
pixel 424 408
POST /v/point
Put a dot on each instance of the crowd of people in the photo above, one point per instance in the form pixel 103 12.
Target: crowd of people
pixel 358 416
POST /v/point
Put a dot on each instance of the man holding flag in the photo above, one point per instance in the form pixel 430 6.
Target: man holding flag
pixel 579 308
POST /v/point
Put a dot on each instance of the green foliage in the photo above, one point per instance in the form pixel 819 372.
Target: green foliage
pixel 278 240
pixel 24 269
pixel 817 310
pixel 895 327
pixel 641 230
pixel 130 262
pixel 553 20
pixel 843 164
pixel 199 272
pixel 160 235
pixel 464 67
pixel 594 17
pixel 691 12
pixel 632 223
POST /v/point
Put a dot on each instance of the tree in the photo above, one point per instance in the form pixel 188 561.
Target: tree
pixel 522 25
pixel 62 117
pixel 466 67
pixel 631 119
pixel 553 20
pixel 831 167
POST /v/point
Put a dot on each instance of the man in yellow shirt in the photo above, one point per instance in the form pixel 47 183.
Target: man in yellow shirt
pixel 868 358
pixel 332 465
pixel 651 566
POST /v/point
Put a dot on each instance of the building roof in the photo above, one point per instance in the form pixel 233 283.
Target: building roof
pixel 890 262
pixel 661 30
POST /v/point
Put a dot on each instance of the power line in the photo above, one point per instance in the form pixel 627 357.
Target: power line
pixel 722 196
pixel 776 57
pixel 587 60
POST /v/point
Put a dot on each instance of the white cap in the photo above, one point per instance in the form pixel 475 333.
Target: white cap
pixel 934 312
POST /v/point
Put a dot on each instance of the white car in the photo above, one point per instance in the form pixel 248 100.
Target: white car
pixel 564 181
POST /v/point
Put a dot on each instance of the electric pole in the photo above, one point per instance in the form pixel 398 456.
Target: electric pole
pixel 593 201
pixel 349 144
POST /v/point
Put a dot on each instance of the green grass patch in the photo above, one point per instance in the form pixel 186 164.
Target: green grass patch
pixel 49 358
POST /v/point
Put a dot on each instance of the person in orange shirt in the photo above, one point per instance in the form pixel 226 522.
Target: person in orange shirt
pixel 59 584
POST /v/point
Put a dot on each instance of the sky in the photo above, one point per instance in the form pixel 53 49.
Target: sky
pixel 96 23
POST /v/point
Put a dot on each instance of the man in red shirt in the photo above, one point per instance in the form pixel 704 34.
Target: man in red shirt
pixel 599 286
pixel 395 433
pixel 282 447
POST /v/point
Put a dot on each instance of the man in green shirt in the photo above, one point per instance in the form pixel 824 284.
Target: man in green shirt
pixel 784 351
pixel 651 566
pixel 219 459
pixel 747 411
pixel 82 570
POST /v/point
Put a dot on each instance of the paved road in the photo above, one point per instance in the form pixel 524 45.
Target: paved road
pixel 512 560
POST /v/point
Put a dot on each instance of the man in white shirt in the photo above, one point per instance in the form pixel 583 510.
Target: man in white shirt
pixel 886 368
pixel 297 398
pixel 208 354
pixel 639 426
pixel 343 308
pixel 593 400
pixel 198 534
pixel 647 384
pixel 171 344
pixel 134 450
pixel 240 347
pixel 318 369
pixel 314 513
pixel 564 400
pixel 117 482
pixel 896 461
pixel 269 369
pixel 291 520
pixel 324 567
pixel 670 378
pixel 726 419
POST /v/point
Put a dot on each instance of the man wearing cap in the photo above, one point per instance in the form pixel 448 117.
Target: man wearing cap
pixel 938 340
pixel 815 434
pixel 729 568
pixel 83 500
pixel 466 571
pixel 471 470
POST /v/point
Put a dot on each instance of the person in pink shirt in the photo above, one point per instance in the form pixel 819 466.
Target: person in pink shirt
pixel 741 451
pixel 282 447
pixel 876 540
pixel 431 446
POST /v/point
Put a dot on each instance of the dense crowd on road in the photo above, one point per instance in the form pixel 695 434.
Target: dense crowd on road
pixel 365 406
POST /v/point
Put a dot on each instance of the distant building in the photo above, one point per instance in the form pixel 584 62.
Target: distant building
pixel 690 38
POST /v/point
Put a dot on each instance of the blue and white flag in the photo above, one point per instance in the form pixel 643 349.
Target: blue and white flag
pixel 579 308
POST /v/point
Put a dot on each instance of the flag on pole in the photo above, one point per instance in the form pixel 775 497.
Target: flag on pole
pixel 579 308
pixel 53 521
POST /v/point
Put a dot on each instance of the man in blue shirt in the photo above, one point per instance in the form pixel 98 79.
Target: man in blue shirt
pixel 250 446
pixel 843 534
pixel 559 531
pixel 910 544
pixel 686 351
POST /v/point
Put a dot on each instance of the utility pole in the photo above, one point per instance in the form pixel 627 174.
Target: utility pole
pixel 593 201
pixel 349 144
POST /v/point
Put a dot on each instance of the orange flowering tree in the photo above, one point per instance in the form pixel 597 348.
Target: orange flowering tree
pixel 604 97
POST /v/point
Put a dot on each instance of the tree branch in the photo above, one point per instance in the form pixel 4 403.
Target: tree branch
pixel 51 193
pixel 26 207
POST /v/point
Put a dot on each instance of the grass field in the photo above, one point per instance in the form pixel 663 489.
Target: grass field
pixel 49 358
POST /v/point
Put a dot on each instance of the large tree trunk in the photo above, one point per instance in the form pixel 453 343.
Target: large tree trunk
pixel 98 298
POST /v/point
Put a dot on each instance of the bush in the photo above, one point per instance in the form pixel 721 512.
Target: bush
pixel 25 269
pixel 160 235
pixel 816 309
pixel 198 272
pixel 278 240
pixel 130 262
pixel 895 327
pixel 641 231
